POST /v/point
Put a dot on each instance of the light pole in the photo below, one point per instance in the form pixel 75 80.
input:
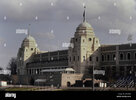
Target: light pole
pixel 131 75
pixel 93 79
pixel 135 80
pixel 93 75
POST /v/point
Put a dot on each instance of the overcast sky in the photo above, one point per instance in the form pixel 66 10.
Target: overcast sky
pixel 54 22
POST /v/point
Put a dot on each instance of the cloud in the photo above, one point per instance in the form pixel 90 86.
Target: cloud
pixel 116 15
pixel 1 41
pixel 103 15
pixel 44 9
pixel 122 16
pixel 26 11
pixel 48 47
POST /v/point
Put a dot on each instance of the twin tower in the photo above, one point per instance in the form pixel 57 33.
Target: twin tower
pixel 85 51
pixel 80 56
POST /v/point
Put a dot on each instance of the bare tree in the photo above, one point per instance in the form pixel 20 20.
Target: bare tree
pixel 1 68
pixel 12 66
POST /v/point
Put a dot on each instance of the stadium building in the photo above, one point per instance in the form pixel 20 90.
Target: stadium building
pixel 67 67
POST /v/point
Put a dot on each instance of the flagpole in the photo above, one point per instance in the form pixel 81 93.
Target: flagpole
pixel 84 17
pixel 29 30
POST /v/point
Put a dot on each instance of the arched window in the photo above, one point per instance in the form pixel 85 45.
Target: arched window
pixel 121 56
pixel 68 84
pixel 108 57
pixel 114 57
pixel 128 56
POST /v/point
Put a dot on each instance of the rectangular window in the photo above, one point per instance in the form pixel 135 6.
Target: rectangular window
pixel 83 58
pixel 97 59
pixel 102 57
pixel 74 58
pixel 108 57
pixel 78 58
pixel 90 58
pixel 76 39
pixel 83 40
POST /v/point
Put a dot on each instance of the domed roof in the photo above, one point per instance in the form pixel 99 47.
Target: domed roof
pixel 84 25
pixel 84 28
pixel 29 41
pixel 29 38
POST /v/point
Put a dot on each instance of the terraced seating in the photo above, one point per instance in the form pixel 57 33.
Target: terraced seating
pixel 124 82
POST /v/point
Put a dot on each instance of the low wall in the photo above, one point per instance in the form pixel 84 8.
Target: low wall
pixel 70 79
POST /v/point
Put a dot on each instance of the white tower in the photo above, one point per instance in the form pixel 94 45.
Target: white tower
pixel 85 44
pixel 28 48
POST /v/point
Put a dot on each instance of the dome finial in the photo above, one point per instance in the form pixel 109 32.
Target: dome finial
pixel 84 14
pixel 29 30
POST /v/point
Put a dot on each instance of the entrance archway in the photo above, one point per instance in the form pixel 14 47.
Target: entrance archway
pixel 68 84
